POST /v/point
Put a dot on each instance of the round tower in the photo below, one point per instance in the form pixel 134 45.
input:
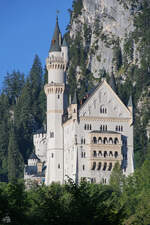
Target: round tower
pixel 54 90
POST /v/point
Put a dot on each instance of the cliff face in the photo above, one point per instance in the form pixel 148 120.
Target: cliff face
pixel 108 24
pixel 106 33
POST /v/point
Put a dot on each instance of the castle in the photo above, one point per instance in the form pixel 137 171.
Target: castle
pixel 82 141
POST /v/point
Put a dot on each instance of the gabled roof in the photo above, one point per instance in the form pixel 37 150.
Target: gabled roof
pixel 55 47
pixel 96 88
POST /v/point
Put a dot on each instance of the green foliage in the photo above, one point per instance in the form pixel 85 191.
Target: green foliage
pixel 77 6
pixel 117 57
pixel 24 103
pixel 15 160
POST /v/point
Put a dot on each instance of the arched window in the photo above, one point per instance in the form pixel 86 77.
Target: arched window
pixel 84 154
pixel 90 127
pixel 94 153
pixel 99 140
pixel 99 166
pixel 58 166
pixel 101 128
pixel 110 140
pixel 110 153
pixel 83 167
pixel 105 140
pixel 94 166
pixel 85 127
pixel 121 128
pixel 94 140
pixel 99 153
pixel 105 166
pixel 105 154
pixel 81 140
pixel 116 141
pixel 110 167
pixel 81 154
pixel 116 154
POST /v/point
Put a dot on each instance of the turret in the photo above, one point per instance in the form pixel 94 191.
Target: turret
pixel 57 59
pixel 56 65
pixel 130 107
pixel 64 49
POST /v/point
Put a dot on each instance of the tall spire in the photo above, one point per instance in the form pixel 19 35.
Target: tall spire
pixel 55 44
pixel 64 44
pixel 130 104
pixel 112 81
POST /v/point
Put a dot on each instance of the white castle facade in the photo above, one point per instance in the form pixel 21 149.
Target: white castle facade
pixel 82 141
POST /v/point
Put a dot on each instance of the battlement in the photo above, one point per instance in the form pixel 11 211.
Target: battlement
pixel 39 136
pixel 55 63
pixel 54 88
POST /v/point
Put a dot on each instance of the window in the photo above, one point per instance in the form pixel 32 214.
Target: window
pixel 103 110
pixel 110 167
pixel 83 167
pixel 94 166
pixel 84 154
pixel 99 166
pixel 58 166
pixel 94 153
pixel 52 155
pixel 58 96
pixel 105 165
pixel 94 140
pixel 51 134
pixel 116 154
pixel 105 154
pixel 110 153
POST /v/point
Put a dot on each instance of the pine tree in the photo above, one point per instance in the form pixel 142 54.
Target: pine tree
pixel 15 160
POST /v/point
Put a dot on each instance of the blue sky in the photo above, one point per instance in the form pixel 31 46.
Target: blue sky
pixel 26 29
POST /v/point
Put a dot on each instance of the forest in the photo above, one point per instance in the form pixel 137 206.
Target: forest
pixel 125 201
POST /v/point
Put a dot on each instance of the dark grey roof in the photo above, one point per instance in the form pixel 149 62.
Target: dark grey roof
pixel 74 101
pixel 104 132
pixel 55 47
pixel 33 156
pixel 32 170
pixel 64 44
pixel 112 81
pixel 130 101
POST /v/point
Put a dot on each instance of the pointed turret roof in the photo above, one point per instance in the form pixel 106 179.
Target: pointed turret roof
pixel 33 156
pixel 130 104
pixel 55 47
pixel 112 81
pixel 64 44
pixel 74 101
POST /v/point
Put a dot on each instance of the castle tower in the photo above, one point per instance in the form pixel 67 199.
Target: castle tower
pixel 56 65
